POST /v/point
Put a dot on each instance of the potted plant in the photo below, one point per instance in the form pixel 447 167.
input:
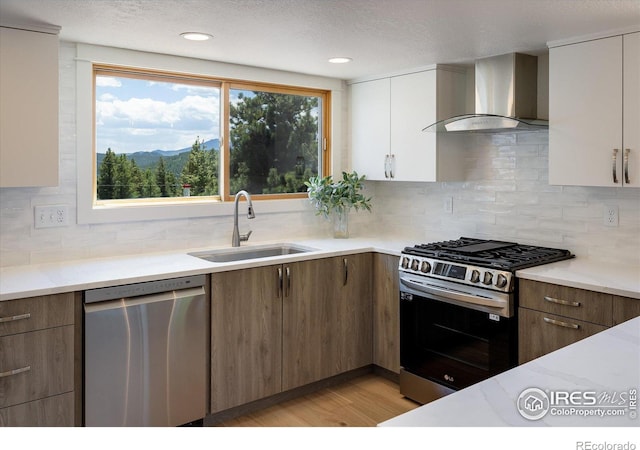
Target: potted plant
pixel 337 198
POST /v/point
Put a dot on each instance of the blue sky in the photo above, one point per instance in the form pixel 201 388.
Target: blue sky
pixel 137 115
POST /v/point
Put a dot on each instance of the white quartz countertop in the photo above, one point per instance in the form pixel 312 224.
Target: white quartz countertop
pixel 601 373
pixel 617 279
pixel 55 278
pixel 67 276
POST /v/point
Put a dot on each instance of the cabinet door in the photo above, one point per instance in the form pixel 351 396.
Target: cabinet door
pixel 327 315
pixel 246 336
pixel 413 107
pixel 631 79
pixel 36 365
pixel 540 333
pixel 386 312
pixel 29 108
pixel 310 337
pixel 370 128
pixel 354 312
pixel 585 113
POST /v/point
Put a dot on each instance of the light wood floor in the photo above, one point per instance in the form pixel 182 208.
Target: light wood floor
pixel 363 402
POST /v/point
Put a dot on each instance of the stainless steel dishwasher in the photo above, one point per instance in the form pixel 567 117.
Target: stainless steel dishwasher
pixel 145 353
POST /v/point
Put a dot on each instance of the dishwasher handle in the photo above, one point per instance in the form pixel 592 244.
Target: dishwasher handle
pixel 145 299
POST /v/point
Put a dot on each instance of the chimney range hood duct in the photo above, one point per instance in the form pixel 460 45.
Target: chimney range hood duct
pixel 506 98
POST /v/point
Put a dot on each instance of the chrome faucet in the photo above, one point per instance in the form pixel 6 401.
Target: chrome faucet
pixel 237 237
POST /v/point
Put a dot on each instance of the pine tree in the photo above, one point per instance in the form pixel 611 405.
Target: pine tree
pixel 162 179
pixel 107 176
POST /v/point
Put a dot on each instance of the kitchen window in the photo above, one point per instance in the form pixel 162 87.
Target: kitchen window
pixel 160 137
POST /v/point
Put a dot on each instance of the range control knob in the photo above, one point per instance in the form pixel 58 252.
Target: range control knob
pixel 405 262
pixel 488 278
pixel 415 264
pixel 501 281
pixel 475 276
pixel 425 267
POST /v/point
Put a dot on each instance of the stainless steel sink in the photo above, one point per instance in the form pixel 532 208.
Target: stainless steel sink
pixel 253 252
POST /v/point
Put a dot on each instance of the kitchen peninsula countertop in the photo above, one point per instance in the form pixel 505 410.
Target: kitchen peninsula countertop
pixel 605 366
pixel 54 278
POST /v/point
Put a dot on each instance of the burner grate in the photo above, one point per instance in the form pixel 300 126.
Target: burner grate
pixel 487 253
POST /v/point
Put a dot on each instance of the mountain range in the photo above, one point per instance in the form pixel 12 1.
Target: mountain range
pixel 174 159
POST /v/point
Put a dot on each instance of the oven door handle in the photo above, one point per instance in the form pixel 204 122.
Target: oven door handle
pixel 452 294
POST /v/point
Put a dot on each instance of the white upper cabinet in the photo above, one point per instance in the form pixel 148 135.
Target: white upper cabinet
pixel 29 108
pixel 594 112
pixel 387 118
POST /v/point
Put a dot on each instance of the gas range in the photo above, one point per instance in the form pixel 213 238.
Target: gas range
pixel 458 312
pixel 475 262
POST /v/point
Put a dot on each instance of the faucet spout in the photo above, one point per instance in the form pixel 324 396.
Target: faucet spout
pixel 236 238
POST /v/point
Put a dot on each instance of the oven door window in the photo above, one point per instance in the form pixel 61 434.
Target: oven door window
pixel 453 345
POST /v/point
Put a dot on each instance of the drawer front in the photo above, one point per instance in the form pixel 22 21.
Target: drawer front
pixel 36 313
pixel 36 365
pixel 540 333
pixel 56 411
pixel 566 301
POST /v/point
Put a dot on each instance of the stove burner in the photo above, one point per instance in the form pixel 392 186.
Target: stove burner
pixel 486 253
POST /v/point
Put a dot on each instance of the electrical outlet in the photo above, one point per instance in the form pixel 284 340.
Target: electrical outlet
pixel 51 216
pixel 611 215
pixel 447 205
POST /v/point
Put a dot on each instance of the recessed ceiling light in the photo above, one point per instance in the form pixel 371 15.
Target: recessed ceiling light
pixel 196 36
pixel 340 60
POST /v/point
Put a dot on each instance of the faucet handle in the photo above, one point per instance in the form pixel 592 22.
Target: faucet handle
pixel 245 237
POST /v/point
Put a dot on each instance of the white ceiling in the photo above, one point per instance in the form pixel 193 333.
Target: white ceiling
pixel 300 35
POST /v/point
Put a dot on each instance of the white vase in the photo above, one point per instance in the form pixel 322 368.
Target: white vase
pixel 341 224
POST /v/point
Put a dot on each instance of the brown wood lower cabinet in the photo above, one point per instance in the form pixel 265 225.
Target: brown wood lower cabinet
pixel 279 327
pixel 38 367
pixel 552 316
pixel 386 312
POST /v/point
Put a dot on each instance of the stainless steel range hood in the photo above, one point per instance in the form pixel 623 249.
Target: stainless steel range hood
pixel 506 98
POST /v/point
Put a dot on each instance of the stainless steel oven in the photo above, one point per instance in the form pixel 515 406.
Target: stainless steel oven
pixel 458 303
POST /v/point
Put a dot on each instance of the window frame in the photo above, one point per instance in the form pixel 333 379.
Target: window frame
pixel 180 207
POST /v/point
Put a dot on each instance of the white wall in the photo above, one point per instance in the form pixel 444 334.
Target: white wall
pixel 507 198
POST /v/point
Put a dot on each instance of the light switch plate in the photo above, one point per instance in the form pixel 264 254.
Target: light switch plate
pixel 51 216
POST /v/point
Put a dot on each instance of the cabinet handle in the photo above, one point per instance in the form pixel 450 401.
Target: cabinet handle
pixel 392 165
pixel 13 318
pixel 561 302
pixel 560 323
pixel 288 273
pixel 279 282
pixel 8 373
pixel 345 262
pixel 386 166
pixel 625 162
pixel 614 163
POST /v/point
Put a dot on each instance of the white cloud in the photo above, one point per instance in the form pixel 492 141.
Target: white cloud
pixel 107 82
pixel 140 124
